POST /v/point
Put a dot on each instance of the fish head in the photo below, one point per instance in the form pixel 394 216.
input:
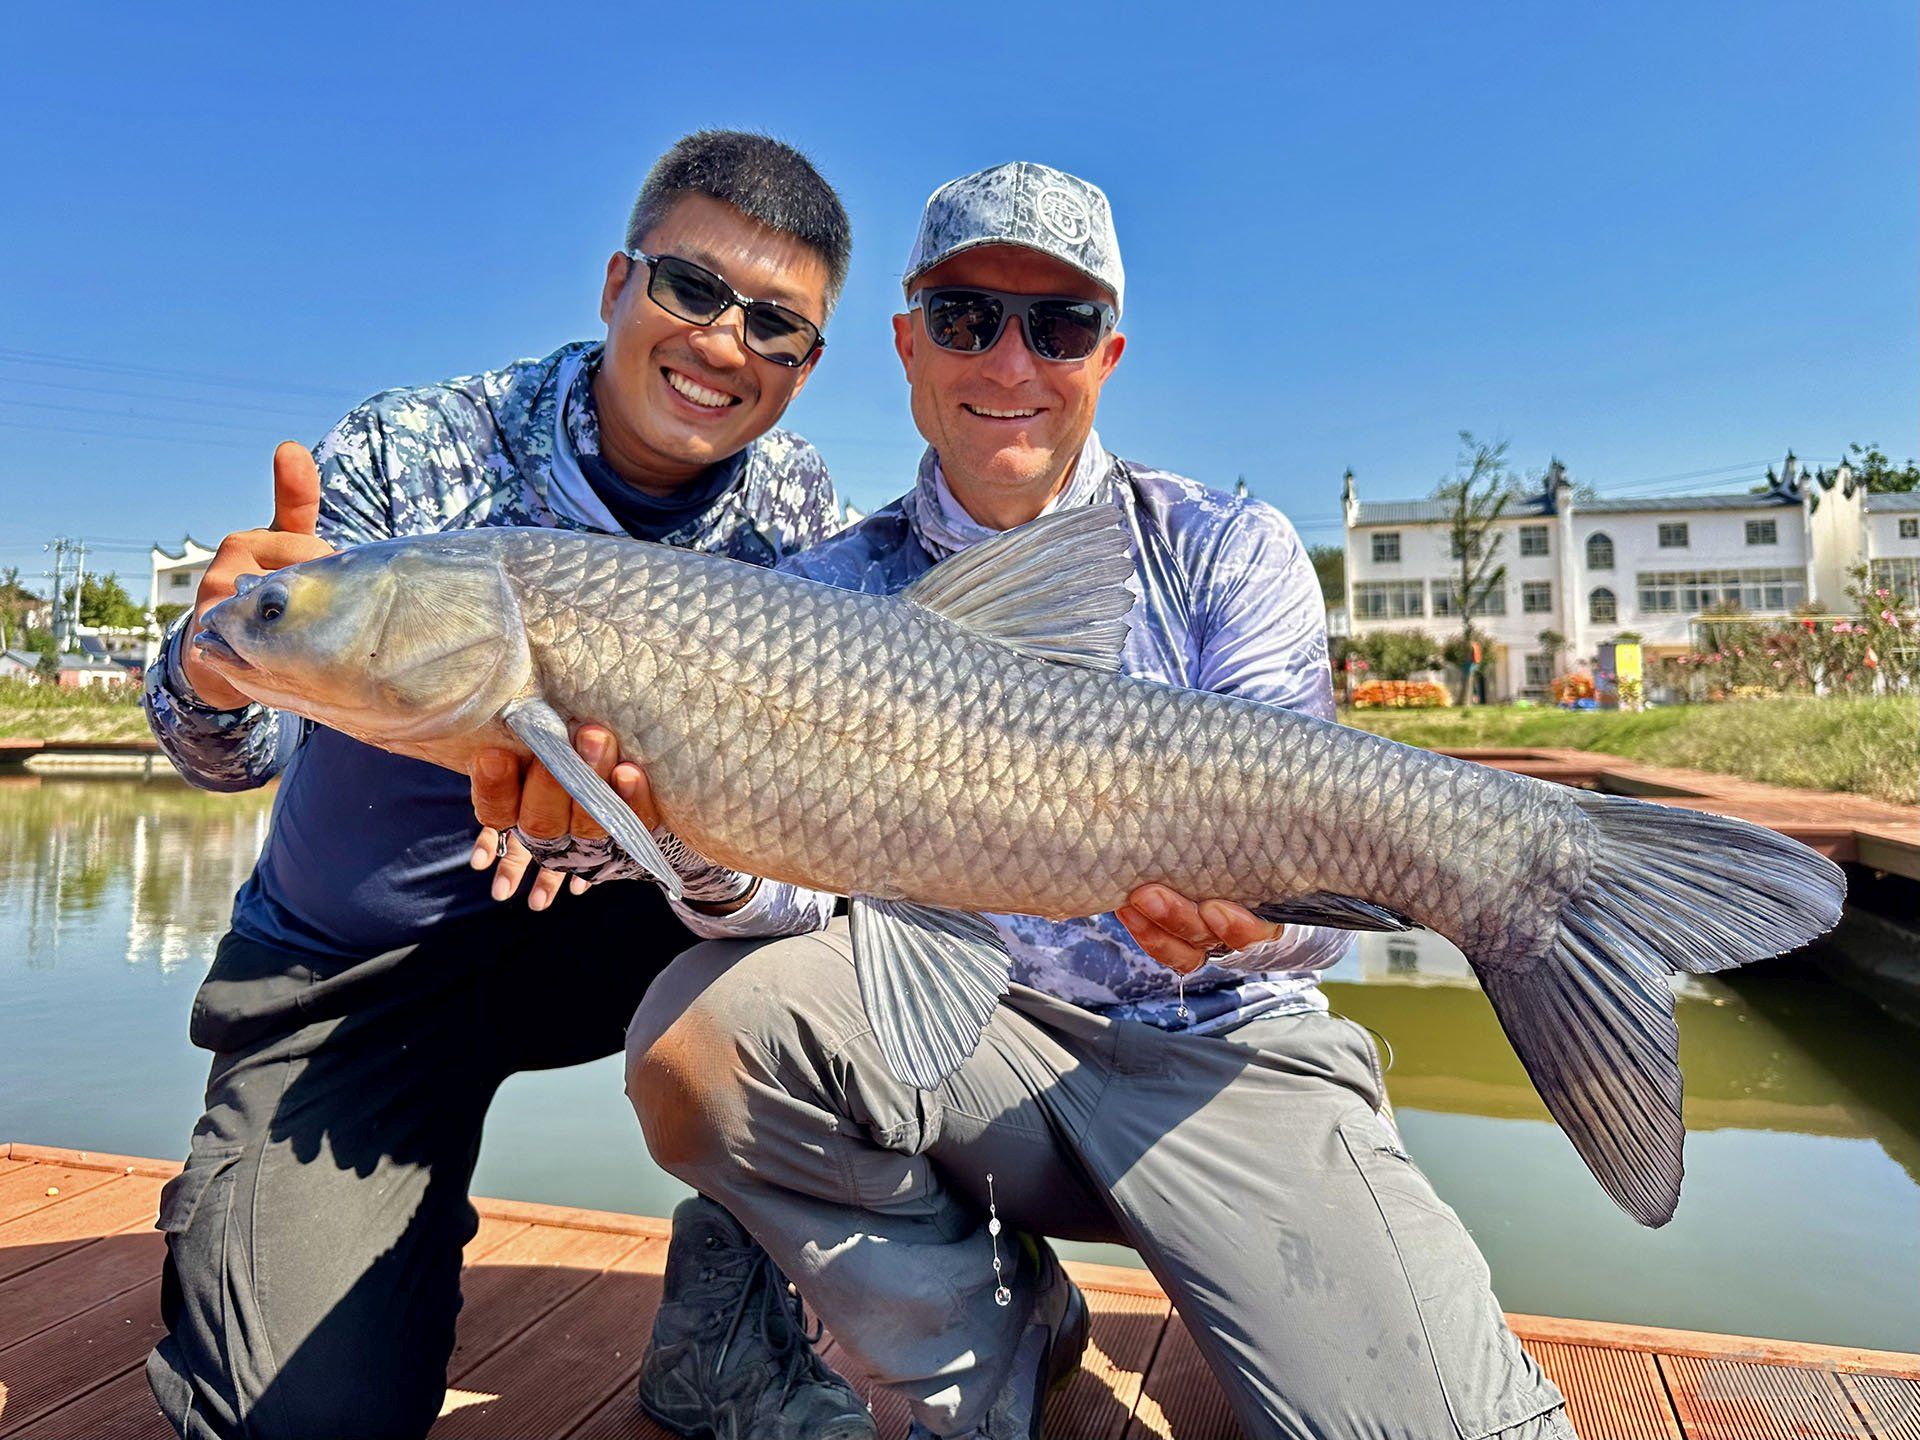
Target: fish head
pixel 402 640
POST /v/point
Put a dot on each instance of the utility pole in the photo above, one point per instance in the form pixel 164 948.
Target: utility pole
pixel 79 584
pixel 59 548
pixel 64 618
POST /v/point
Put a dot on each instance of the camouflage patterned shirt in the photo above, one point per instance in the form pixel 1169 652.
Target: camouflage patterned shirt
pixel 368 850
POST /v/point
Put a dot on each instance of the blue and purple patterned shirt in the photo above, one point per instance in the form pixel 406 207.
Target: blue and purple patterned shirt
pixel 368 850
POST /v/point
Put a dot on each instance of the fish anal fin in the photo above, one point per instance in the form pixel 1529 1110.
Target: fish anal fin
pixel 545 733
pixel 1337 912
pixel 929 979
pixel 1056 588
pixel 1602 1048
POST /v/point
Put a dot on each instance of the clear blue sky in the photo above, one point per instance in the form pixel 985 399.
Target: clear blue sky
pixel 1653 239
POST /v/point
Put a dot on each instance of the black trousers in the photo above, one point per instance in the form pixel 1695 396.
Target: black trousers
pixel 313 1240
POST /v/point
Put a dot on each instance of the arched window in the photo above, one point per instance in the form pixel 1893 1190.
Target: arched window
pixel 1599 552
pixel 1602 608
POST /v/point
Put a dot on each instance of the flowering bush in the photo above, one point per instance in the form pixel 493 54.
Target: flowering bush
pixel 1400 695
pixel 1571 687
pixel 1875 650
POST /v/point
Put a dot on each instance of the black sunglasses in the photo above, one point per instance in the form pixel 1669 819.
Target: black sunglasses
pixel 694 293
pixel 969 320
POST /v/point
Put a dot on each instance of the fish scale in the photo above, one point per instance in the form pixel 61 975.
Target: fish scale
pixel 967 747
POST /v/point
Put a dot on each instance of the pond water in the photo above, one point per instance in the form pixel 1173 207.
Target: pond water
pixel 1801 1217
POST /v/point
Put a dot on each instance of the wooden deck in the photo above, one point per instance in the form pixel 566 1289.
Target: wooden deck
pixel 1847 828
pixel 559 1303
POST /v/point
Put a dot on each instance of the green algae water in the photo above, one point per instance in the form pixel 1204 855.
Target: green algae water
pixel 1800 1217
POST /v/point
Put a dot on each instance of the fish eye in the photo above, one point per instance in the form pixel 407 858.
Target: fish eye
pixel 273 603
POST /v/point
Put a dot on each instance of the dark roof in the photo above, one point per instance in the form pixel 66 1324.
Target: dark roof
pixel 1417 512
pixel 1901 500
pixel 1768 500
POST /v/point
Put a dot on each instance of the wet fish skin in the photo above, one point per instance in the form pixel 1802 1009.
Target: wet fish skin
pixel 932 769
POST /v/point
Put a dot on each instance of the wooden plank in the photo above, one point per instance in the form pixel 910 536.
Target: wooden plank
pixel 48 1369
pixel 558 1371
pixel 35 1187
pixel 1099 1400
pixel 1611 1394
pixel 1890 1407
pixel 1737 1400
pixel 612 1222
pixel 78 1280
pixel 523 1279
pixel 121 1409
pixel 95 1160
pixel 40 1235
pixel 1655 1338
pixel 1180 1400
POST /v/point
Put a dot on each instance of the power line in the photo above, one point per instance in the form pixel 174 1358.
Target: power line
pixel 154 372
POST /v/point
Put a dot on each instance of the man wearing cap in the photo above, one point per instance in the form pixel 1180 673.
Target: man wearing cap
pixel 1234 1133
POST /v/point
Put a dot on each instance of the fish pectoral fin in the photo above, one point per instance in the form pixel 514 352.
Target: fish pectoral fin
pixel 1337 912
pixel 545 733
pixel 929 979
pixel 1600 1044
pixel 1055 588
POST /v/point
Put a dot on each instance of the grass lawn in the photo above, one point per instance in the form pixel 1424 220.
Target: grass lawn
pixel 44 712
pixel 1869 747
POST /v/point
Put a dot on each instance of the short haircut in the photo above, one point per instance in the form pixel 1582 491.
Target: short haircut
pixel 761 177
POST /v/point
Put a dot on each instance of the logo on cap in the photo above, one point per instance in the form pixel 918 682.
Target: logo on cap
pixel 1065 214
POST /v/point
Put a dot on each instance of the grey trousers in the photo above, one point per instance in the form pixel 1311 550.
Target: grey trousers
pixel 1332 1292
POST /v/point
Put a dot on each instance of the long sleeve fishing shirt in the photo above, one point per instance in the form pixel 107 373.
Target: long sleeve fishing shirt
pixel 368 850
pixel 1229 602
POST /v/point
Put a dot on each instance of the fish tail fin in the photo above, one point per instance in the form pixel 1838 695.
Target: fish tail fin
pixel 1592 1021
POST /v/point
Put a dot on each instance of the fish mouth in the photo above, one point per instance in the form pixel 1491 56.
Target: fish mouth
pixel 215 645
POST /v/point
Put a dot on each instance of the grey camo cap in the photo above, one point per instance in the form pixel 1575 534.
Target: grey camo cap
pixel 1022 203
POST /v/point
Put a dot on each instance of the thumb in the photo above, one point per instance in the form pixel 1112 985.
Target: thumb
pixel 296 489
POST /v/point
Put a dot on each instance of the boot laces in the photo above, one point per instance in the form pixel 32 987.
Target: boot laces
pixel 779 1314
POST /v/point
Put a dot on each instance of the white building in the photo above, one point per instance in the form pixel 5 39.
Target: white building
pixel 1594 569
pixel 175 581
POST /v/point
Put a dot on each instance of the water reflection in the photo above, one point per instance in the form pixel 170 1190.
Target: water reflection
pixel 1772 1047
pixel 74 850
pixel 1800 1218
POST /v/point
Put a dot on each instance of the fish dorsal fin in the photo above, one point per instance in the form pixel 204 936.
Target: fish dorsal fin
pixel 1055 588
pixel 929 979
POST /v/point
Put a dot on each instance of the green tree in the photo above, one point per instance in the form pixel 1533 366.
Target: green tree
pixel 104 602
pixel 168 611
pixel 1880 473
pixel 1552 644
pixel 1393 654
pixel 15 601
pixel 1476 496
pixel 1330 565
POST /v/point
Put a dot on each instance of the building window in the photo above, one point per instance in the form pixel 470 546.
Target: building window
pixel 1388 600
pixel 1599 552
pixel 1910 529
pixel 1386 546
pixel 1602 608
pixel 1533 539
pixel 1763 532
pixel 1901 576
pixel 1454 547
pixel 181 579
pixel 1536 596
pixel 1688 592
pixel 1673 535
pixel 1494 602
pixel 1539 671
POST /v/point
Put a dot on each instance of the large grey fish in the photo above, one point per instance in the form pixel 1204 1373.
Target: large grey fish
pixel 969 746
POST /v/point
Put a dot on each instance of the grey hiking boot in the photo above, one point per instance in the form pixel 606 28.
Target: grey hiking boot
pixel 732 1355
pixel 1048 1354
